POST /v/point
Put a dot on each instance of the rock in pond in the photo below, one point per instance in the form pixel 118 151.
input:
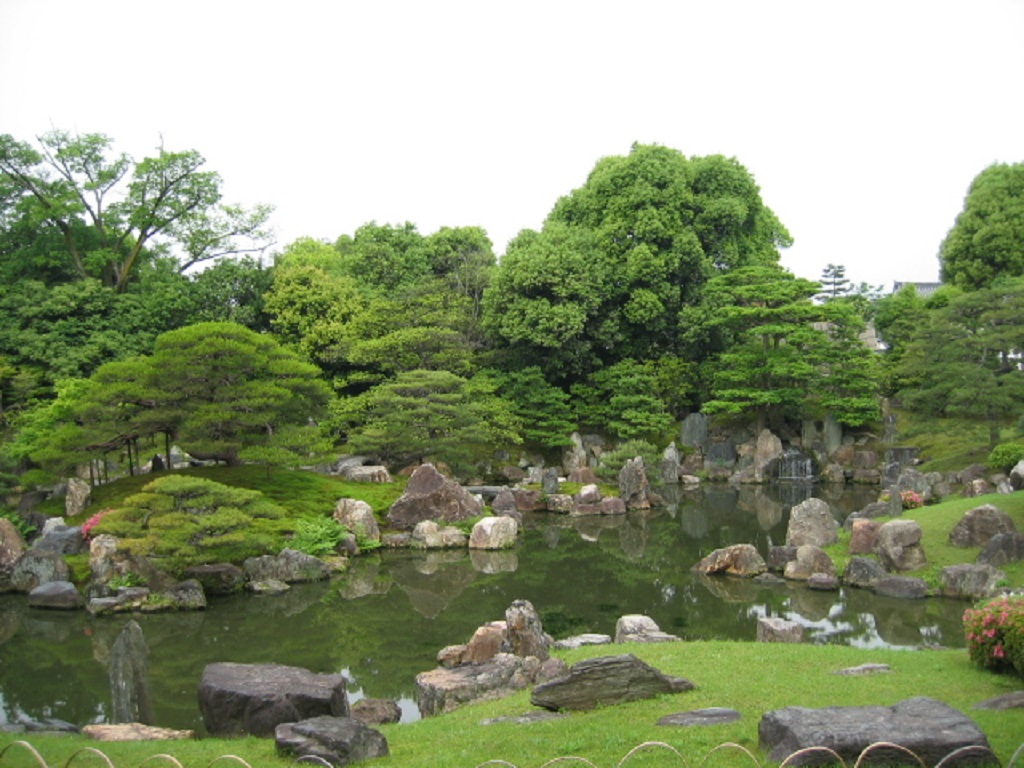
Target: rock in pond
pixel 254 699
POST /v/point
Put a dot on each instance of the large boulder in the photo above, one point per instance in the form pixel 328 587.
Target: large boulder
pixel 737 560
pixel 1001 549
pixel 929 728
pixel 494 533
pixel 809 561
pixel 377 711
pixel 445 688
pixel 374 473
pixel 1017 476
pixel 604 681
pixel 12 547
pixel 58 595
pixel 525 635
pixel 970 581
pixel 36 568
pixel 356 516
pixel 980 524
pixel 863 535
pixel 773 629
pixel 430 495
pixel 898 546
pixel 217 578
pixel 863 572
pixel 336 740
pixel 291 567
pixel 429 535
pixel 60 539
pixel 79 492
pixel 637 628
pixel 902 587
pixel 811 522
pixel 634 488
pixel 131 701
pixel 253 699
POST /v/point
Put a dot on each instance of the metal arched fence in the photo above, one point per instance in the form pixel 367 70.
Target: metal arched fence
pixel 894 754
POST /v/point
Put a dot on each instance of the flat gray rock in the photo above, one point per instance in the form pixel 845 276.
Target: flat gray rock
pixel 864 669
pixel 338 740
pixel 604 681
pixel 1013 700
pixel 538 716
pixel 708 716
pixel 929 728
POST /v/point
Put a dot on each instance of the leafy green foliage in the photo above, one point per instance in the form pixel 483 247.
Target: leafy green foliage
pixel 1004 457
pixel 21 525
pixel 192 520
pixel 788 357
pixel 542 408
pixel 428 414
pixel 987 241
pixel 995 634
pixel 618 400
pixel 317 536
pixel 619 260
pixel 82 214
pixel 961 360
pixel 611 462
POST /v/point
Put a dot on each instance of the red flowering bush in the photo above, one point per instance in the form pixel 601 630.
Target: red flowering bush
pixel 995 634
pixel 91 523
pixel 911 500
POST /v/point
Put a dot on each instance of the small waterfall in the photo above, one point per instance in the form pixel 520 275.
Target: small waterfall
pixel 795 466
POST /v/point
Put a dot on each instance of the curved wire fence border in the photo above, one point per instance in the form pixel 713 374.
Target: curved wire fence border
pixel 979 753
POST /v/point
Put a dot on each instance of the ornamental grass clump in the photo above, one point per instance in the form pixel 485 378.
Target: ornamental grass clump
pixel 995 634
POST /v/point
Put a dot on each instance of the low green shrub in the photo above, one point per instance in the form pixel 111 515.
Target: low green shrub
pixel 21 525
pixel 612 462
pixel 317 536
pixel 995 634
pixel 1004 457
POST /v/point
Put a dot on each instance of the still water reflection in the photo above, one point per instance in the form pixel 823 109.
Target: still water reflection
pixel 385 620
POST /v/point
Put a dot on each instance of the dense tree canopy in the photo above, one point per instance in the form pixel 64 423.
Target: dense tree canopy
pixel 619 260
pixel 964 359
pixel 987 241
pixel 72 212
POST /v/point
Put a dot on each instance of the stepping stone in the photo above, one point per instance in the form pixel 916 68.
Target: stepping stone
pixel 864 669
pixel 1013 700
pixel 708 716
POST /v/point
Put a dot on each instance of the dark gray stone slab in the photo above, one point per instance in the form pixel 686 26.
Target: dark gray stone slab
pixel 1013 700
pixel 929 728
pixel 606 680
pixel 338 740
pixel 255 698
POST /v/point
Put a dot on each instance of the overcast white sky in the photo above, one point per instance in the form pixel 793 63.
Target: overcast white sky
pixel 863 122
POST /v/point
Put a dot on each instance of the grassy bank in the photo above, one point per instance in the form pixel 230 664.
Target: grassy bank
pixel 749 677
pixel 936 522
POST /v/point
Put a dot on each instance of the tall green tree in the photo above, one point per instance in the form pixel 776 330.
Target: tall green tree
pixel 834 282
pixel 421 415
pixel 620 260
pixel 74 211
pixel 964 359
pixel 786 356
pixel 986 242
pixel 227 388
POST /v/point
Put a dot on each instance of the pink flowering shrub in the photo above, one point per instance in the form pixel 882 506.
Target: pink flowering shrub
pixel 995 634
pixel 91 523
pixel 911 500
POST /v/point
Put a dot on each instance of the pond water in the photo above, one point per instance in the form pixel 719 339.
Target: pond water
pixel 384 621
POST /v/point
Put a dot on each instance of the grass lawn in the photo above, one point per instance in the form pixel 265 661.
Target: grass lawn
pixel 752 678
pixel 936 522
